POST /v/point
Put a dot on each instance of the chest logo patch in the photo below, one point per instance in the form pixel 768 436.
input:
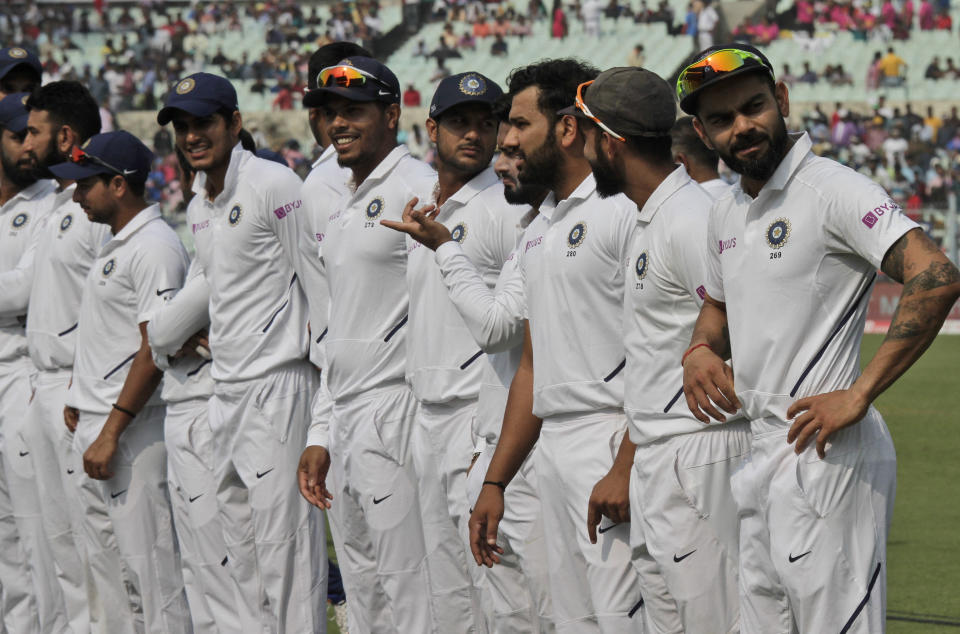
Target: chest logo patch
pixel 375 208
pixel 109 267
pixel 459 233
pixel 640 268
pixel 778 232
pixel 235 213
pixel 577 234
pixel 66 222
pixel 19 220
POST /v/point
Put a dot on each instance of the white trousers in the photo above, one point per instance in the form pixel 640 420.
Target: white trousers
pixel 19 512
pixel 214 596
pixel 813 532
pixel 274 538
pixel 55 468
pixel 518 586
pixel 130 514
pixel 442 451
pixel 375 515
pixel 594 587
pixel 681 499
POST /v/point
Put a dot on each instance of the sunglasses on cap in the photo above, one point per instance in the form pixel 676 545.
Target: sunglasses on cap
pixel 582 107
pixel 346 77
pixel 715 65
pixel 77 155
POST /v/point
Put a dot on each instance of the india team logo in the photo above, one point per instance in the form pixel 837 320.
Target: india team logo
pixel 186 86
pixel 473 85
pixel 17 53
pixel 23 100
pixel 109 267
pixel 577 234
pixel 459 233
pixel 235 213
pixel 778 232
pixel 640 268
pixel 66 222
pixel 375 208
pixel 19 220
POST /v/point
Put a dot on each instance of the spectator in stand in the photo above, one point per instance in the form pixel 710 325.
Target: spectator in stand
pixel 933 69
pixel 411 97
pixel 707 21
pixel 522 28
pixel 805 16
pixel 499 46
pixel 951 71
pixel 636 56
pixel 926 15
pixel 501 27
pixel 837 76
pixel 690 22
pixel 766 32
pixel 895 147
pixel 809 75
pixel 788 77
pixel 873 72
pixel 892 68
pixel 906 14
pixel 559 27
pixel 481 28
pixel 449 37
pixel 932 124
pixel 943 21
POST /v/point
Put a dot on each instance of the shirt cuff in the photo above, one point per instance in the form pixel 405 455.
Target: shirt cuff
pixel 447 250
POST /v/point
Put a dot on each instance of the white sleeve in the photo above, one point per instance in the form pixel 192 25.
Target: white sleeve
pixel 15 283
pixel 495 319
pixel 688 254
pixel 156 271
pixel 321 412
pixel 178 319
pixel 713 279
pixel 284 211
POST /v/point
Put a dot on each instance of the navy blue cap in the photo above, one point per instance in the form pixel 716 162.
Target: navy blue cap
pixel 200 94
pixel 14 56
pixel 13 112
pixel 110 153
pixel 468 87
pixel 385 88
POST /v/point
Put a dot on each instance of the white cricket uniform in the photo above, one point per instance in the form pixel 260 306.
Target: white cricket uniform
pixel 518 585
pixel 142 263
pixel 31 598
pixel 376 516
pixel 716 187
pixel 444 368
pixel 795 267
pixel 213 595
pixel 324 185
pixel 572 261
pixel 247 248
pixel 67 244
pixel 681 505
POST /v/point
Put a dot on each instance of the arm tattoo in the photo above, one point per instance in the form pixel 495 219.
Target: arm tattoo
pixel 892 264
pixel 918 313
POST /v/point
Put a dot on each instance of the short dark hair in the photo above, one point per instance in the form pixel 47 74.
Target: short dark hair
pixel 686 140
pixel 501 109
pixel 557 80
pixel 328 55
pixel 68 103
pixel 656 150
pixel 246 141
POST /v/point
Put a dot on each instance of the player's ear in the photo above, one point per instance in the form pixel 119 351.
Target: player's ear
pixel 698 126
pixel 782 95
pixel 235 123
pixel 432 126
pixel 392 112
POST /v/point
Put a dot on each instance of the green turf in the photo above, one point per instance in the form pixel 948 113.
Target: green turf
pixel 923 411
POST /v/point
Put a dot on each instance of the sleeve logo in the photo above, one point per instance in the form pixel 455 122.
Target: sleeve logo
pixel 459 233
pixel 235 213
pixel 778 232
pixel 872 217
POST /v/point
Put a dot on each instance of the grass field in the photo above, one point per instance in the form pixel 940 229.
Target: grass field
pixel 923 412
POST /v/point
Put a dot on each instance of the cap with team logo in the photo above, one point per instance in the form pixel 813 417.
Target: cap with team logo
pixel 13 112
pixel 357 79
pixel 468 87
pixel 109 153
pixel 200 94
pixel 627 101
pixel 14 56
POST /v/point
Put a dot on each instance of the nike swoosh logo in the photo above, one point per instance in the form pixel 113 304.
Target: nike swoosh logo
pixel 606 528
pixel 194 499
pixel 166 290
pixel 260 475
pixel 376 501
pixel 69 471
pixel 385 92
pixel 793 559
pixel 679 559
pixel 117 494
pixel 24 453
pixel 129 172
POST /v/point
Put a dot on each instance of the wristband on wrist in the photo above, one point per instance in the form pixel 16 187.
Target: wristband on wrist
pixel 503 487
pixel 124 410
pixel 691 349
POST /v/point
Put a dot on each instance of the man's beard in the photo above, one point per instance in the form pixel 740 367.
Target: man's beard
pixel 541 168
pixel 51 156
pixel 762 167
pixel 19 176
pixel 523 194
pixel 609 183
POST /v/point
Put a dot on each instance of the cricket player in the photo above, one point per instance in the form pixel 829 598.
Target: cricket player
pixel 245 218
pixel 32 598
pixel 681 507
pixel 61 115
pixel 568 389
pixel 113 398
pixel 792 256
pixel 700 161
pixel 375 505
pixel 445 367
pixel 20 70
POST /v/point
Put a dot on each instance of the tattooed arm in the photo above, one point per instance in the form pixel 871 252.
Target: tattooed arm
pixel 707 380
pixel 931 285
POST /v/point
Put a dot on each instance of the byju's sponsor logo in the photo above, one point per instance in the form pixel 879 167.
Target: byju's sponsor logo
pixel 726 245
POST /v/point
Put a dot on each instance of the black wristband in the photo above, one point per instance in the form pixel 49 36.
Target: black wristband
pixel 503 487
pixel 124 410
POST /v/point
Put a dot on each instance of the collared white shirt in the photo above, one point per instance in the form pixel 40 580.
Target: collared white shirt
pixel 664 292
pixel 716 187
pixel 366 267
pixel 67 245
pixel 324 186
pixel 135 271
pixel 247 248
pixel 795 267
pixel 20 222
pixel 572 258
pixel 444 362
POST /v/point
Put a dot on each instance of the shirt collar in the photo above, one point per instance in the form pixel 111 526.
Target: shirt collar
pixel 382 170
pixel 238 156
pixel 64 196
pixel 788 166
pixel 144 216
pixel 328 152
pixel 36 190
pixel 677 179
pixel 485 179
pixel 584 190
